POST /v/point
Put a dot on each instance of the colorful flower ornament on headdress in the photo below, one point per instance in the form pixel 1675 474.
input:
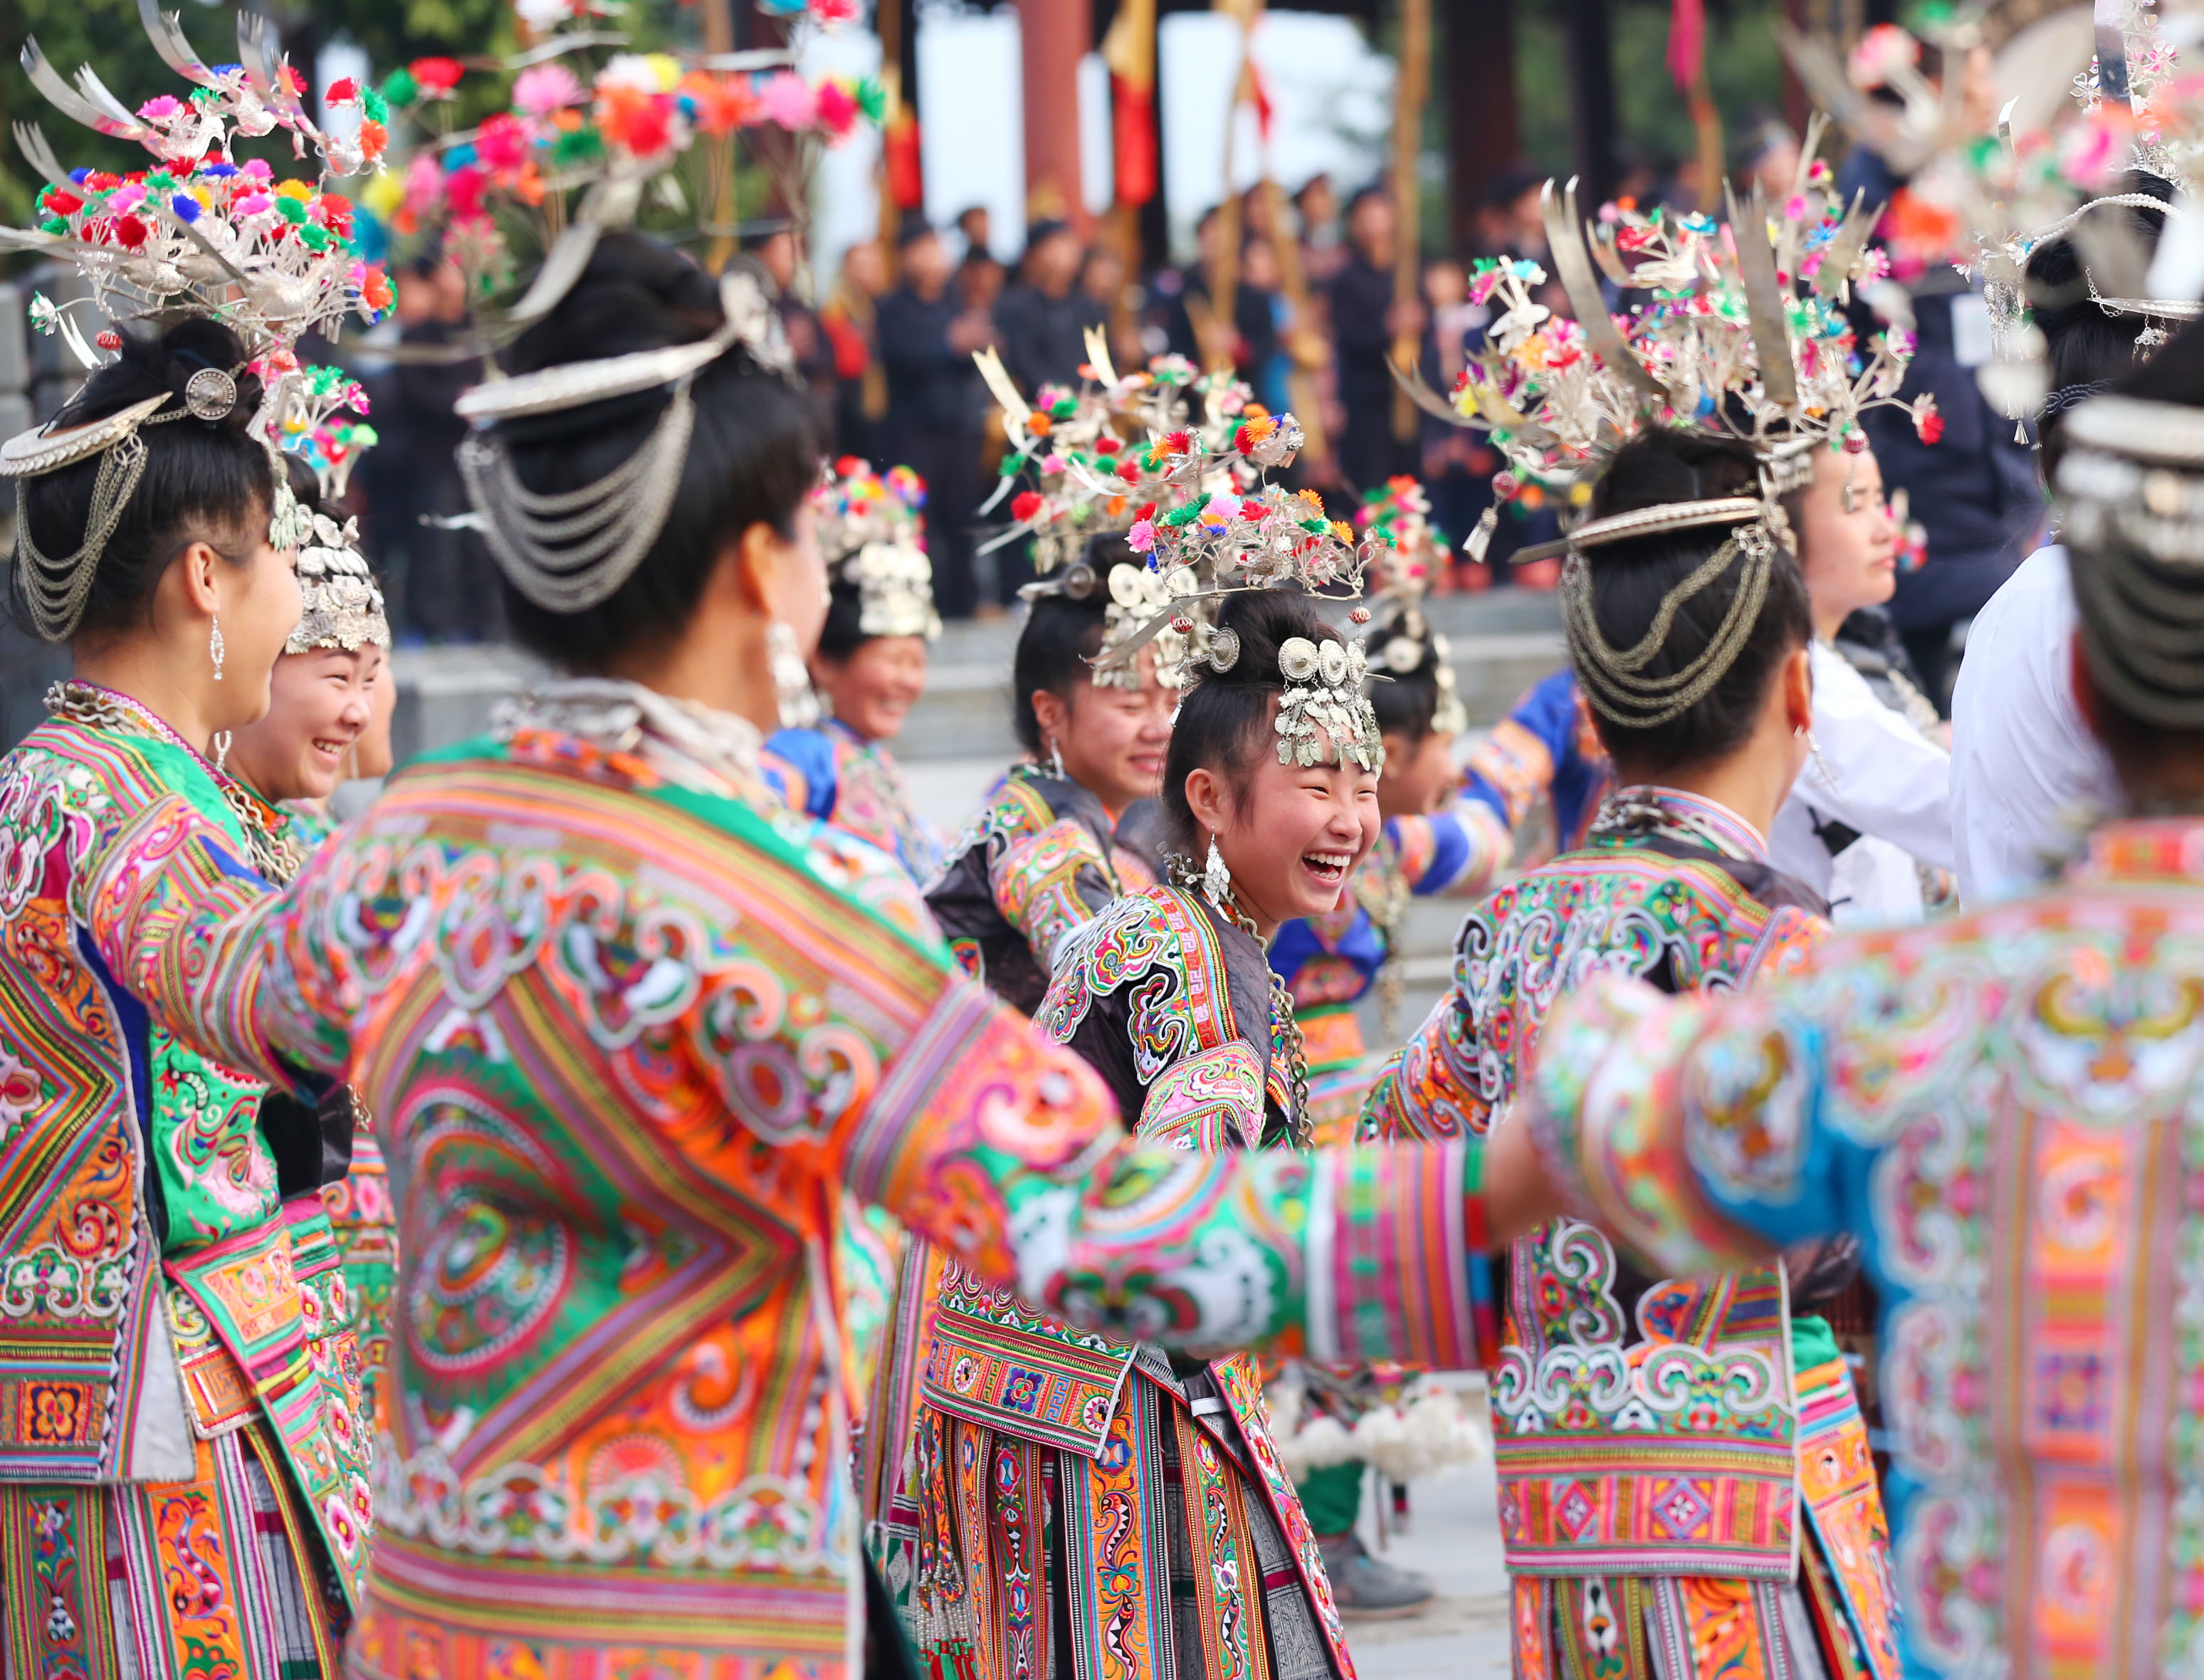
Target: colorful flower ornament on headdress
pixel 872 535
pixel 1398 513
pixel 1744 336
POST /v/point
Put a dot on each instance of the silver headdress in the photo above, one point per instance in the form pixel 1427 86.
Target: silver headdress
pixel 872 533
pixel 1325 714
pixel 198 233
pixel 2131 483
pixel 1613 678
pixel 568 551
pixel 340 605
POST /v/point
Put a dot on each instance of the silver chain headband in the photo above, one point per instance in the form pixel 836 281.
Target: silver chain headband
pixel 1611 677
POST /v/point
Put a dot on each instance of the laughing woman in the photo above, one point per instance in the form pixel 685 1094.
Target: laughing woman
pixel 1051 845
pixel 870 668
pixel 329 693
pixel 1173 1517
pixel 165 1225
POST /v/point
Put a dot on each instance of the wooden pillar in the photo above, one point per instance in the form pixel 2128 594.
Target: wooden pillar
pixel 1590 29
pixel 1484 131
pixel 1054 36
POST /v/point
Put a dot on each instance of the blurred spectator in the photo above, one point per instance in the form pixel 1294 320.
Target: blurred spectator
pixel 1453 457
pixel 451 591
pixel 814 356
pixel 1189 312
pixel 974 224
pixel 979 281
pixel 1103 277
pixel 1767 157
pixel 1509 222
pixel 1324 253
pixel 927 334
pixel 1973 489
pixel 861 390
pixel 1364 320
pixel 1269 364
pixel 1043 317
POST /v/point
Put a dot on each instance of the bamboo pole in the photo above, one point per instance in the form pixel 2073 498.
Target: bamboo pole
pixel 1407 192
pixel 719 38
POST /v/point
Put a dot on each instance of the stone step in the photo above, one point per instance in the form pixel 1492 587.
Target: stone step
pixel 1501 642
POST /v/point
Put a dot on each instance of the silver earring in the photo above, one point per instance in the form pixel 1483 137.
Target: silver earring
pixel 791 682
pixel 1820 765
pixel 222 748
pixel 1056 759
pixel 215 648
pixel 1216 879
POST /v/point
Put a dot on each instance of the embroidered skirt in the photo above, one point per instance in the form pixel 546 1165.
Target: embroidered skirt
pixel 223 1575
pixel 1158 1558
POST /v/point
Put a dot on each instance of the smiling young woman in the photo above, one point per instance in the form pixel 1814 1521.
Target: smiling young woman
pixel 869 669
pixel 1167 994
pixel 1064 832
pixel 129 1161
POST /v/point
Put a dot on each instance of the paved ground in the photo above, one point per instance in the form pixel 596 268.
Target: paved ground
pixel 1454 1538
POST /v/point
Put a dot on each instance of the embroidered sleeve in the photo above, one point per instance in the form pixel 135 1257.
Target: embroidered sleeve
pixel 1428 1088
pixel 1048 885
pixel 1690 1128
pixel 1458 851
pixel 184 922
pixel 1210 1102
pixel 1348 1256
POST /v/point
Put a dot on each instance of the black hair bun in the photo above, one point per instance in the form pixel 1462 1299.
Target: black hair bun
pixel 1263 621
pixel 150 365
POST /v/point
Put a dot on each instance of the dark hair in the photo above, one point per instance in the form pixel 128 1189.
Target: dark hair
pixel 1407 705
pixel 2086 345
pixel 203 482
pixel 2174 375
pixel 1629 579
pixel 753 455
pixel 1061 634
pixel 1224 720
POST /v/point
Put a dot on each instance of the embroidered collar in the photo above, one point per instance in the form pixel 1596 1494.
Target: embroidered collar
pixel 90 706
pixel 696 745
pixel 1640 812
pixel 2143 849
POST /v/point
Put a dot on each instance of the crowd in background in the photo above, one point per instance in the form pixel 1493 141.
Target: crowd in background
pixel 887 352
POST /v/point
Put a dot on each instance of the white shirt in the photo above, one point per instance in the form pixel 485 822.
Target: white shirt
pixel 2025 765
pixel 1876 773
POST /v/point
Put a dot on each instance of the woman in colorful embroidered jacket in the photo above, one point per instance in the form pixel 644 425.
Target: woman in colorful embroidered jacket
pixel 2002 1106
pixel 1433 841
pixel 1654 1526
pixel 326 696
pixel 870 668
pixel 1051 843
pixel 165 1227
pixel 1178 1545
pixel 632 1030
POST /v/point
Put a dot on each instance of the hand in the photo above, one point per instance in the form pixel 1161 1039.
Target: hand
pixel 1519 1197
pixel 968 332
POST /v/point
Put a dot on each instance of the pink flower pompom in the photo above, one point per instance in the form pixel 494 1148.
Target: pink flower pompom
pixel 1051 464
pixel 838 109
pixel 546 88
pixel 160 110
pixel 788 100
pixel 501 142
pixel 1141 538
pixel 126 198
pixel 424 183
pixel 252 203
pixel 258 167
pixel 463 191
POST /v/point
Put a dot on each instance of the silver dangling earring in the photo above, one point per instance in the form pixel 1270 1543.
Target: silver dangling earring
pixel 1216 879
pixel 1055 760
pixel 791 682
pixel 1820 765
pixel 220 745
pixel 216 649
